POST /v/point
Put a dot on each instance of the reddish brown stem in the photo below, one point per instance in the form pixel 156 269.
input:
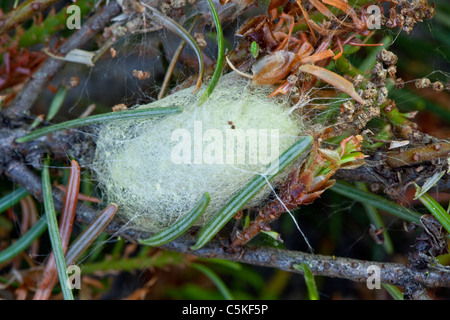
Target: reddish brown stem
pixel 292 188
pixel 81 196
pixel 50 274
pixel 34 249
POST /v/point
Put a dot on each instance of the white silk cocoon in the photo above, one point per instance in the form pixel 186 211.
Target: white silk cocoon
pixel 156 170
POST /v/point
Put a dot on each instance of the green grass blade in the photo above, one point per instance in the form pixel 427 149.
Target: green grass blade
pixel 57 102
pixel 429 183
pixel 12 198
pixel 215 279
pixel 97 247
pixel 309 280
pixel 25 241
pixel 220 56
pixel 41 31
pixel 118 248
pixel 251 189
pixel 406 96
pixel 395 293
pixel 376 220
pixel 53 230
pixel 100 118
pixel 343 65
pixel 436 209
pixel 378 202
pixel 179 227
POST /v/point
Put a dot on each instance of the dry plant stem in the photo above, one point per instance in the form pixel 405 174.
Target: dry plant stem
pixel 35 84
pixel 90 233
pixel 34 249
pixel 305 14
pixel 24 226
pixel 170 69
pixel 383 178
pixel 419 154
pixel 50 275
pixel 29 212
pixel 22 175
pixel 25 221
pixel 173 62
pixel 330 266
pixel 81 197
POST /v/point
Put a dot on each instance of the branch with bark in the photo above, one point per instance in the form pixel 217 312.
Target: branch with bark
pixel 414 281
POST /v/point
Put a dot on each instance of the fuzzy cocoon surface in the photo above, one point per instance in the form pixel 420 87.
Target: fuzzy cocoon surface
pixel 138 167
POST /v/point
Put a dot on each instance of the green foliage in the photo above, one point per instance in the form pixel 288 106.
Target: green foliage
pixel 255 49
pixel 250 190
pixel 179 227
pixel 395 293
pixel 54 232
pixel 435 208
pixel 215 279
pixel 25 241
pixel 379 202
pixel 39 33
pixel 12 198
pixel 57 102
pixel 220 55
pixel 100 118
pixel 309 280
